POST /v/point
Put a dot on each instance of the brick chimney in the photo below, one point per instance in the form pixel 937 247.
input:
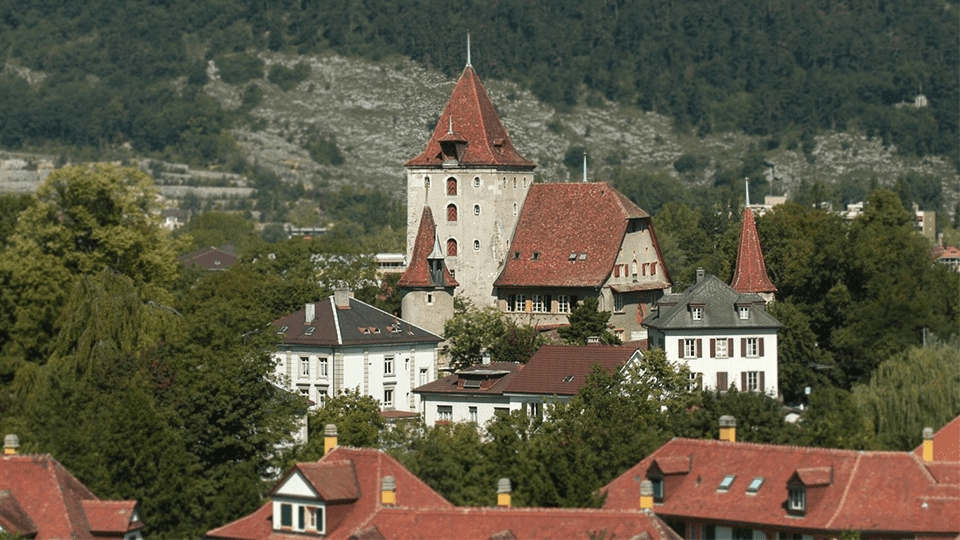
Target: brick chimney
pixel 10 444
pixel 388 491
pixel 646 495
pixel 310 311
pixel 329 438
pixel 728 428
pixel 928 444
pixel 503 492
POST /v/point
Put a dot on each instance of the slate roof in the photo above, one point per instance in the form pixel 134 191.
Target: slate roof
pixel 562 370
pixel 872 492
pixel 561 219
pixel 495 377
pixel 719 303
pixel 211 258
pixel 361 324
pixel 54 503
pixel 471 120
pixel 750 274
pixel 425 245
pixel 421 513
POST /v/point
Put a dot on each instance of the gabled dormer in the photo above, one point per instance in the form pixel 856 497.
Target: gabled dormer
pixel 666 474
pixel 312 497
pixel 805 489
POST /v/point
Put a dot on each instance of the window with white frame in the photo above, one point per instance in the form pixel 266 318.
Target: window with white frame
pixel 321 397
pixel 476 209
pixel 444 413
pixel 696 312
pixel 753 347
pixel 563 303
pixel 388 397
pixel 304 367
pixel 797 501
pixel 618 302
pixel 426 181
pixel 721 348
pixel 753 381
pixel 538 304
pixel 744 312
pixel 299 517
pixel 618 333
pixel 514 208
pixel 323 367
pixel 695 381
pixel 473 414
pixel 689 348
pixel 429 299
pixel 520 303
pixel 476 181
pixel 388 365
pixel 423 376
pixel 476 245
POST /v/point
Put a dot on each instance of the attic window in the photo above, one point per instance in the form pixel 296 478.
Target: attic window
pixel 516 255
pixel 376 329
pixel 535 256
pixel 572 257
pixel 797 500
pixel 364 330
pixel 395 328
pixel 583 256
pixel 696 312
pixel 755 484
pixel 471 383
pixel 568 378
pixel 726 482
pixel 282 330
pixel 310 330
pixel 744 312
pixel 498 142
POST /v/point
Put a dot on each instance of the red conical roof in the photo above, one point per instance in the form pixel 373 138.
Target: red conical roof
pixel 471 118
pixel 418 271
pixel 750 274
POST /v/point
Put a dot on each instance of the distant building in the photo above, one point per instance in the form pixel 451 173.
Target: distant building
pixel 41 500
pixel 209 258
pixel 948 256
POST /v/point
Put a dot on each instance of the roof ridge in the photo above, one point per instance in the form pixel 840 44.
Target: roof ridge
pixel 846 491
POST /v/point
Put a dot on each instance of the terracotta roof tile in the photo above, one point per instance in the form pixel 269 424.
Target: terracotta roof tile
pixel 332 480
pixel 562 370
pixel 13 518
pixel 750 274
pixel 418 271
pixel 111 517
pixel 946 443
pixel 475 125
pixel 569 235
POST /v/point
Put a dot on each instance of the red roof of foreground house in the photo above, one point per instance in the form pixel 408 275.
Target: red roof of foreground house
pixel 562 370
pixel 420 513
pixel 569 235
pixel 872 492
pixel 418 272
pixel 470 123
pixel 750 275
pixel 43 497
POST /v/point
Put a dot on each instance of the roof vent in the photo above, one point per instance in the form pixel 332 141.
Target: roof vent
pixel 583 256
pixel 572 257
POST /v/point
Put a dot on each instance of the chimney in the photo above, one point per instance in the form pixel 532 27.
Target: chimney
pixel 341 297
pixel 927 444
pixel 388 493
pixel 646 495
pixel 329 438
pixel 728 428
pixel 593 340
pixel 311 313
pixel 10 444
pixel 700 274
pixel 503 492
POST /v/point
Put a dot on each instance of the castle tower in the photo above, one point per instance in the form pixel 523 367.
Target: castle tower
pixel 750 273
pixel 426 286
pixel 475 182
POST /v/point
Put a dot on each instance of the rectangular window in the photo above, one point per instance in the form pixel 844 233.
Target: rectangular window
pixel 423 376
pixel 473 414
pixel 301 518
pixel 429 299
pixel 388 397
pixel 563 303
pixel 538 306
pixel 721 348
pixel 501 411
pixel 286 515
pixel 321 397
pixel 444 413
pixel 323 367
pixel 752 347
pixel 797 501
pixel 697 312
pixel 696 381
pixel 304 367
pixel 520 303
pixel 753 381
pixel 657 482
pixel 744 312
pixel 618 302
pixel 534 409
pixel 690 348
pixel 722 381
pixel 321 525
pixel 388 365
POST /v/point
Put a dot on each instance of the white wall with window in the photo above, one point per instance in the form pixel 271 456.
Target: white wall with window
pixel 463 408
pixel 297 507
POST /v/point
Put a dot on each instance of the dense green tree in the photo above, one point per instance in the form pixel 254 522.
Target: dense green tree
pixel 835 420
pixel 801 362
pixel 471 333
pixel 358 422
pixel 586 320
pixel 217 229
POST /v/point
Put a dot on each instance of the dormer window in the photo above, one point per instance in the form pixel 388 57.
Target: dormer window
pixel 657 481
pixel 797 500
pixel 298 516
pixel 535 256
pixel 744 312
pixel 696 312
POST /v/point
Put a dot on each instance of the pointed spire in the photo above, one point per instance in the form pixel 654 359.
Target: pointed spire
pixel 750 274
pixel 468 49
pixel 427 267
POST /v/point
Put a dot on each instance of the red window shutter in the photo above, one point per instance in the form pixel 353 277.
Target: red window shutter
pixel 743 381
pixel 743 347
pixel 451 248
pixel 699 348
pixel 713 348
pixel 451 186
pixel 763 387
pixel 653 269
pixel 680 341
pixel 761 346
pixel 722 381
pixel 451 212
pixel 616 270
pixel 729 346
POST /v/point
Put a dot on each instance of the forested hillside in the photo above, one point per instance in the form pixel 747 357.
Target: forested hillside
pixel 99 73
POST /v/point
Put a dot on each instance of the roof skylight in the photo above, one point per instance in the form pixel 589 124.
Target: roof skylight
pixel 568 378
pixel 726 482
pixel 310 330
pixel 755 484
pixel 282 330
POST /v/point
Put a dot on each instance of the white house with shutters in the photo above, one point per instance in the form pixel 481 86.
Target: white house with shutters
pixel 726 337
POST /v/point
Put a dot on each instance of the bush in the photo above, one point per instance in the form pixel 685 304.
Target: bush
pixel 239 68
pixel 288 78
pixel 324 150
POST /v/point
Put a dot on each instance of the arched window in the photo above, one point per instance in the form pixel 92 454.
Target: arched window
pixel 451 186
pixel 514 182
pixel 476 209
pixel 451 212
pixel 476 181
pixel 524 183
pixel 451 248
pixel 514 208
pixel 426 181
pixel 476 245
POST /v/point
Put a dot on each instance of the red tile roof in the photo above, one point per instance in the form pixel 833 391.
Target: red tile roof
pixel 422 514
pixel 559 220
pixel 211 258
pixel 418 271
pixel 332 480
pixel 471 121
pixel 562 370
pixel 873 492
pixel 13 518
pixel 57 503
pixel 498 375
pixel 946 443
pixel 750 274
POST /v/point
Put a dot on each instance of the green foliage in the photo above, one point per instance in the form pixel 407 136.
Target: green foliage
pixel 758 417
pixel 801 362
pixel 10 207
pixel 910 391
pixel 217 229
pixel 586 320
pixel 288 78
pixel 835 420
pixel 470 333
pixel 358 422
pixel 239 68
pixel 324 150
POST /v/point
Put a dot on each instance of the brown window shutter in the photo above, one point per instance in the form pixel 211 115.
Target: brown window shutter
pixel 730 347
pixel 743 381
pixel 653 269
pixel 722 381
pixel 761 346
pixel 680 341
pixel 713 348
pixel 616 270
pixel 743 347
pixel 763 387
pixel 699 348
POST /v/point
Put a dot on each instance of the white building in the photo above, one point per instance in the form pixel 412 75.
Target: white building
pixel 341 343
